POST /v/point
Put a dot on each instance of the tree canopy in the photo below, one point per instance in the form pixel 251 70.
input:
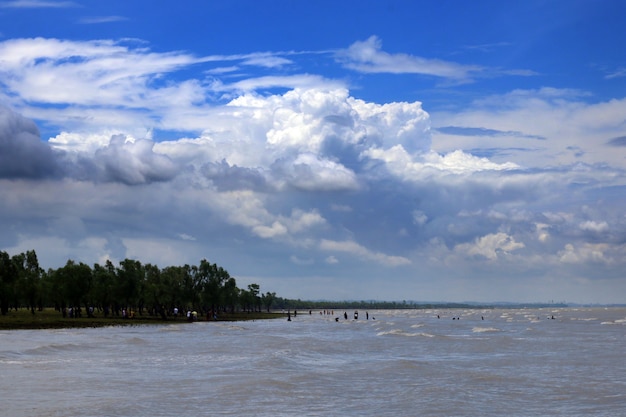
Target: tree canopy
pixel 129 286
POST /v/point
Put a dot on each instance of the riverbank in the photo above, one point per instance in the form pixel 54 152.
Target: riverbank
pixel 52 319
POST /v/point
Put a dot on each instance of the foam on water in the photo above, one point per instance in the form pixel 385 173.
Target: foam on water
pixel 485 329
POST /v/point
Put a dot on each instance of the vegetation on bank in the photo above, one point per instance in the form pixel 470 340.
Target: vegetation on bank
pixel 128 291
pixel 362 305
pixel 48 318
pixel 394 305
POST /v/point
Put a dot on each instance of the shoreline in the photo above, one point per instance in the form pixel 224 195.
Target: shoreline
pixel 23 319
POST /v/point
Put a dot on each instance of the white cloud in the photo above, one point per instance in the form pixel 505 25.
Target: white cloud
pixel 331 260
pixel 354 248
pixel 101 19
pixel 592 226
pixel 295 165
pixel 37 4
pixel 618 73
pixel 565 128
pixel 301 220
pixel 368 56
pixel 303 81
pixel 419 218
pixel 267 60
pixel 160 251
pixel 53 251
pixel 432 164
pixel 542 232
pixel 76 142
pixel 490 246
pixel 299 261
pixel 585 252
pixel 276 229
pixel 105 72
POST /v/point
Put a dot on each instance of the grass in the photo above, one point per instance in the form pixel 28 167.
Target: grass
pixel 51 319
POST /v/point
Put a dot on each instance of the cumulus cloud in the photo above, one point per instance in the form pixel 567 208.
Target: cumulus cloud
pixel 133 162
pixel 169 169
pixel 593 226
pixel 490 246
pixel 585 252
pixel 231 177
pixel 309 172
pixel 419 217
pixel 426 165
pixel 308 139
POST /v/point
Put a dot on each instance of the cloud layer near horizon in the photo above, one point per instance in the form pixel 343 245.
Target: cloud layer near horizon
pixel 281 178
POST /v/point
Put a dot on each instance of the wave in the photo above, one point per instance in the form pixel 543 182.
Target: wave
pixel 400 332
pixel 53 348
pixel 617 322
pixel 485 329
pixel 136 341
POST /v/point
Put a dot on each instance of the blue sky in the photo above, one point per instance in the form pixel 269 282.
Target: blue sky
pixel 433 150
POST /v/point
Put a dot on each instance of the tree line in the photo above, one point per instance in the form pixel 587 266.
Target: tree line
pixel 129 286
pixel 370 305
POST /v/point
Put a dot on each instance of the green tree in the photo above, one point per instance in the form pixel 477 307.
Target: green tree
pixel 173 281
pixel 268 299
pixel 104 280
pixel 211 282
pixel 231 294
pixel 28 278
pixel 8 276
pixel 255 300
pixel 73 282
pixel 205 287
pixel 130 275
pixel 157 290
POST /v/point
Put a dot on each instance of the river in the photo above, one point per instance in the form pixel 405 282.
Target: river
pixel 493 362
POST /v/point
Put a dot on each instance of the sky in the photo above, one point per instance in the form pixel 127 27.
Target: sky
pixel 357 150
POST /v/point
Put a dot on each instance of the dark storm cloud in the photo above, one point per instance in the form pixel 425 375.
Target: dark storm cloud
pixel 227 177
pixel 22 153
pixel 133 163
pixel 618 142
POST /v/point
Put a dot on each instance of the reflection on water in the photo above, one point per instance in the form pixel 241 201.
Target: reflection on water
pixel 405 362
